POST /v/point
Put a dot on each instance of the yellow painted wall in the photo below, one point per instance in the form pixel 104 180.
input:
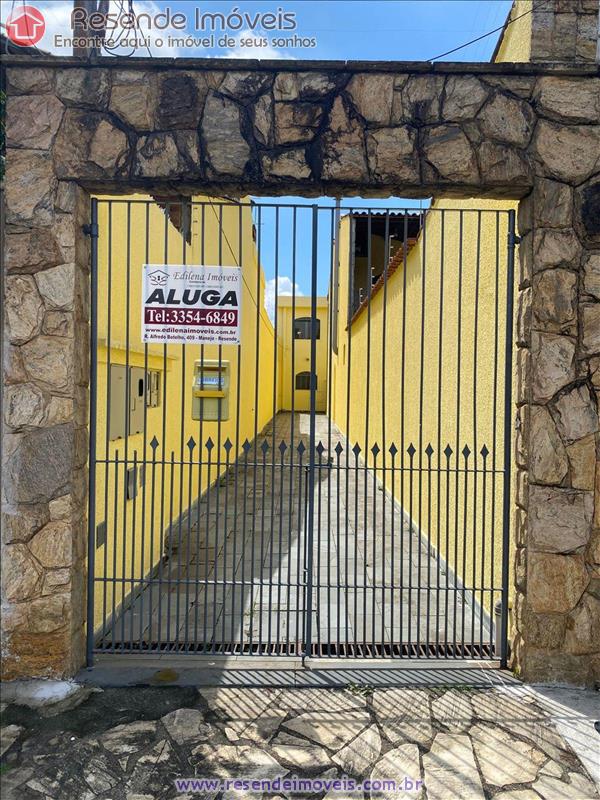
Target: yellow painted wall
pixel 286 312
pixel 141 233
pixel 414 391
pixel 515 43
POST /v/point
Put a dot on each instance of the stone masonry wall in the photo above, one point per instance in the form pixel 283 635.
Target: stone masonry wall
pixel 307 129
pixel 565 30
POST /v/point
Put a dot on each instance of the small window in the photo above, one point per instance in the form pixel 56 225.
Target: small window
pixel 153 388
pixel 302 328
pixel 303 380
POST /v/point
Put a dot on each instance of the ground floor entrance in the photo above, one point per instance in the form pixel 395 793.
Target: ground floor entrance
pixel 335 482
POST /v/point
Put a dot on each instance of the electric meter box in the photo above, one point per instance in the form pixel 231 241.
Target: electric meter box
pixel 210 392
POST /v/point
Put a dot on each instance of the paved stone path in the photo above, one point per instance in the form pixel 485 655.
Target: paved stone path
pixel 236 574
pixel 131 744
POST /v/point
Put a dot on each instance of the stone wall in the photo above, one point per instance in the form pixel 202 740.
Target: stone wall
pixel 565 30
pixel 307 129
pixel 557 524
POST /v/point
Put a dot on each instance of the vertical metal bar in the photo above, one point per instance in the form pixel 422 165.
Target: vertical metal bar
pixel 163 444
pixel 92 441
pixel 329 531
pixel 429 453
pixel 237 443
pixel 152 579
pixel 366 439
pixel 280 570
pixel 350 314
pixel 255 444
pixel 145 585
pixel 318 571
pixel 209 449
pixel 127 420
pixel 170 558
pixel 402 434
pixel 386 263
pixel 356 450
pixel 466 453
pixel 448 454
pixel 420 445
pixel 299 565
pixel 188 549
pixel 457 415
pixel 374 565
pixel 494 435
pixel 201 450
pixel 274 411
pixel 338 524
pixel 508 347
pixel 264 449
pixel 292 422
pixel 483 535
pixel 218 462
pixel 133 531
pixel 181 471
pixel 411 455
pixel 225 539
pixel 311 460
pixel 245 447
pixel 113 626
pixel 475 431
pixel 107 431
pixel 439 434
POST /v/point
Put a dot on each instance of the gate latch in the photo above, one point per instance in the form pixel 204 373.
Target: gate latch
pixel 91 229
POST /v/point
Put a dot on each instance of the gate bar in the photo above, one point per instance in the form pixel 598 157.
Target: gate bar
pixel 92 231
pixel 312 436
pixel 508 342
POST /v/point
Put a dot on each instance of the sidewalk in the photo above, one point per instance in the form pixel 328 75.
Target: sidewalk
pixel 132 744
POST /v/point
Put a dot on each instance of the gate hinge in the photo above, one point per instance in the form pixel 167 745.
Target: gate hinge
pixel 513 239
pixel 91 229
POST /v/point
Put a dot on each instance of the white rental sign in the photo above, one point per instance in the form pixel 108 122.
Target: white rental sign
pixel 191 304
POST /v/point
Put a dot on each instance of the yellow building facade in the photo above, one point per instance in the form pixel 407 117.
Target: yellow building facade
pixel 146 494
pixel 293 334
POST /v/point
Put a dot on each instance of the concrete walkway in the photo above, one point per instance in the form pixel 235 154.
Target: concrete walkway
pixel 435 743
pixel 234 578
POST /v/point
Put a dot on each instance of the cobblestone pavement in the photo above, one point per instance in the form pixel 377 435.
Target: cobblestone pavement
pixel 236 573
pixel 132 744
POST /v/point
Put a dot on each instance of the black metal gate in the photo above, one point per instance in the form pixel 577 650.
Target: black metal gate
pixel 336 484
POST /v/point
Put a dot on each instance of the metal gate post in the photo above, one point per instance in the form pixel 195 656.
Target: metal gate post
pixel 513 239
pixel 311 447
pixel 92 231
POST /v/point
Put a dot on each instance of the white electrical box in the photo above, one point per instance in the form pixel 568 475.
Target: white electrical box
pixel 210 391
pixel 126 417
